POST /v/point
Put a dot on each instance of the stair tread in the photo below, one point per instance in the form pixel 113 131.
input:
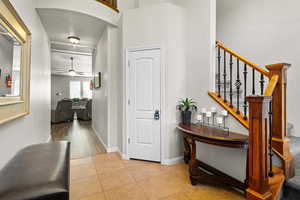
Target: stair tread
pixel 294 145
pixel 278 176
pixel 276 182
pixel 295 150
pixel 292 186
pixel 294 183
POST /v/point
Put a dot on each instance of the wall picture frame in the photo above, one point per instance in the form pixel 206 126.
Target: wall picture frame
pixel 97 80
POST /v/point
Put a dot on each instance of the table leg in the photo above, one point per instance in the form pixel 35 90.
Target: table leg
pixel 187 150
pixel 193 161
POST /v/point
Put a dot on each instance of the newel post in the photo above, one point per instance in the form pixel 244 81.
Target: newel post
pixel 279 141
pixel 258 187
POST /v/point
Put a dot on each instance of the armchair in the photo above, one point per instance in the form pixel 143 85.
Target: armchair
pixel 63 112
pixel 85 114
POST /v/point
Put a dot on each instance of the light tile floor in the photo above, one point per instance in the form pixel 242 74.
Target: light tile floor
pixel 107 177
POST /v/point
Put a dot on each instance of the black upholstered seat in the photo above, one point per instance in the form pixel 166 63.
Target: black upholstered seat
pixel 38 172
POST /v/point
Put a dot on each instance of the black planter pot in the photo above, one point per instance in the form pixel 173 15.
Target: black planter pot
pixel 186 117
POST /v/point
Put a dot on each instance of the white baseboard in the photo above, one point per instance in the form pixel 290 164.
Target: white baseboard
pixel 123 156
pixel 100 139
pixel 172 161
pixel 108 149
pixel 48 139
pixel 112 149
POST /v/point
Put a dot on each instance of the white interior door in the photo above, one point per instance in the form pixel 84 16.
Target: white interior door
pixel 144 105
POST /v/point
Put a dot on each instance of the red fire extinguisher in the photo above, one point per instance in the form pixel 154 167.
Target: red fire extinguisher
pixel 8 81
pixel 91 85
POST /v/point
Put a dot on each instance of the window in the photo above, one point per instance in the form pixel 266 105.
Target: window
pixel 75 89
pixel 80 89
pixel 86 90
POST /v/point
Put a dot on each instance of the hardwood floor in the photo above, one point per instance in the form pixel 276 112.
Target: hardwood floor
pixel 84 142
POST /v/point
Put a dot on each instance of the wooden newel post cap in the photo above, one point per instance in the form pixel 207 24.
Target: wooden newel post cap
pixel 278 66
pixel 279 69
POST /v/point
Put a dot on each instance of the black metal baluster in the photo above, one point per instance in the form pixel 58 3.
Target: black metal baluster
pixel 262 82
pixel 238 86
pixel 245 92
pixel 271 174
pixel 231 94
pixel 219 72
pixel 225 75
pixel 253 81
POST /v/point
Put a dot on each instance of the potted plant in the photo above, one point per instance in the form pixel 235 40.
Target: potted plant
pixel 186 106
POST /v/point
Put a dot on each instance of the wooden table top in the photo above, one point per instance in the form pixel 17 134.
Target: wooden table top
pixel 215 136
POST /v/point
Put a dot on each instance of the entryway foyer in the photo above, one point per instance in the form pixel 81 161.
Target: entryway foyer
pixel 149 99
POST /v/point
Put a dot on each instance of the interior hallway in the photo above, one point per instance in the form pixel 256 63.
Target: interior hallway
pixel 84 142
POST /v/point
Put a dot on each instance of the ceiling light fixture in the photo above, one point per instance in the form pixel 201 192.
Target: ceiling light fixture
pixel 74 39
pixel 72 72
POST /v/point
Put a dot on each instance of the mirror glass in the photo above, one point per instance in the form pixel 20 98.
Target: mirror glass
pixel 10 64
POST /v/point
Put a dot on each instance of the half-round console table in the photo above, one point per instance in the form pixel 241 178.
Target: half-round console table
pixel 201 172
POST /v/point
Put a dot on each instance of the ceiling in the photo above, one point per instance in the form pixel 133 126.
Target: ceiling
pixel 59 24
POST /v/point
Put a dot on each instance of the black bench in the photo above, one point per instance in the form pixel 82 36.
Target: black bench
pixel 38 172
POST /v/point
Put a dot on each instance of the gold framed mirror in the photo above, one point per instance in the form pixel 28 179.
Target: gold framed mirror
pixel 15 43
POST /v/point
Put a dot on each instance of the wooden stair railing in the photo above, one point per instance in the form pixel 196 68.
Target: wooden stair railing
pixel 263 112
pixel 257 163
pixel 110 3
pixel 280 141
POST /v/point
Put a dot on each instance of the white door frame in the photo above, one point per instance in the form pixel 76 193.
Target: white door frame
pixel 126 118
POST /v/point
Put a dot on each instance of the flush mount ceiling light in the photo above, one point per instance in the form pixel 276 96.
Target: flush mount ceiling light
pixel 74 39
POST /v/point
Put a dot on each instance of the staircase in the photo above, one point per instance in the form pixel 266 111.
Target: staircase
pixel 256 97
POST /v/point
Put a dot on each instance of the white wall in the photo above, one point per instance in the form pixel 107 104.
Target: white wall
pixel 201 24
pixel 61 84
pixel 88 7
pixel 128 4
pixel 100 96
pixel 143 3
pixel 107 100
pixel 265 32
pixel 121 87
pixel 162 25
pixel 115 87
pixel 34 128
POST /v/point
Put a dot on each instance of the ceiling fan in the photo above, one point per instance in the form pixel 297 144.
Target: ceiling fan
pixel 72 71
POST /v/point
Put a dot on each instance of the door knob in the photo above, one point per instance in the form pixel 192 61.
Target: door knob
pixel 156 115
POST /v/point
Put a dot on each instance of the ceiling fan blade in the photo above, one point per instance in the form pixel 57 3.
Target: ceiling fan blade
pixel 81 73
pixel 60 72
